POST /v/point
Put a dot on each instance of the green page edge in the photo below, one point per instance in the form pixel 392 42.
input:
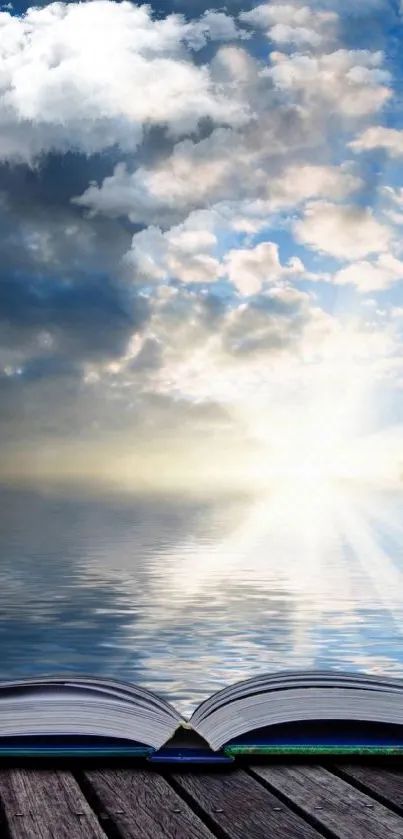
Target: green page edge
pixel 234 751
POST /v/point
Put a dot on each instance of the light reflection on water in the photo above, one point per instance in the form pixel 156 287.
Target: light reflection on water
pixel 186 597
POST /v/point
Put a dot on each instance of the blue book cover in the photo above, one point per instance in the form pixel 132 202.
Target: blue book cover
pixel 321 738
pixel 186 747
pixel 71 747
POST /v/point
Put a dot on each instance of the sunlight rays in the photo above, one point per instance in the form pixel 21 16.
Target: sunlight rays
pixel 310 539
pixel 380 572
pixel 303 567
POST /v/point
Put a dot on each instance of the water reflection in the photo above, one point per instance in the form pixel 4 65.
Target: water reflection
pixel 187 597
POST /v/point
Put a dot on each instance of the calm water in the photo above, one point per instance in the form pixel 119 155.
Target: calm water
pixel 186 597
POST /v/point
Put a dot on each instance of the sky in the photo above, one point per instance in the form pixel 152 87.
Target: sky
pixel 201 260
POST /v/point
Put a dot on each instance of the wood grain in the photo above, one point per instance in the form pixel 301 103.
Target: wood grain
pixel 143 805
pixel 46 804
pixel 385 784
pixel 331 802
pixel 280 801
pixel 241 808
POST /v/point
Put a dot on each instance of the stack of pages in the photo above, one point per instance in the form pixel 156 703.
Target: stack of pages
pixel 293 712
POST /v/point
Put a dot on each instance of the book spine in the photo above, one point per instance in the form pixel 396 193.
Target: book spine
pixel 189 756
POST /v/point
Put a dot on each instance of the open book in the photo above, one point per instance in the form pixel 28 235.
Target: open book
pixel 288 712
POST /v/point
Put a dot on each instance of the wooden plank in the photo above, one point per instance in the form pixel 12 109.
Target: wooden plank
pixel 47 804
pixel 386 784
pixel 331 802
pixel 143 805
pixel 240 807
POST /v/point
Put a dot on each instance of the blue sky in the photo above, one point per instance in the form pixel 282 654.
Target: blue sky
pixel 201 211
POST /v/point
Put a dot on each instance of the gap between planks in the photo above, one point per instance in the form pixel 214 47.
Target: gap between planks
pixel 384 785
pixel 237 806
pixel 45 803
pixel 331 802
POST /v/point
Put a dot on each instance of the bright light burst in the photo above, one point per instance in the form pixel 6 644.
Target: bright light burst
pixel 312 537
pixel 312 425
pixel 317 479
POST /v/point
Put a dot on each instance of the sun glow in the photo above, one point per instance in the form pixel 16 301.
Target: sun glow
pixel 316 459
pixel 317 434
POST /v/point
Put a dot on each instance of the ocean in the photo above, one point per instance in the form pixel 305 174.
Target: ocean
pixel 186 596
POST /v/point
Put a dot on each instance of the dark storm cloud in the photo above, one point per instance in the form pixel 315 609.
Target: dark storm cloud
pixel 45 243
pixel 41 230
pixel 85 313
pixel 90 317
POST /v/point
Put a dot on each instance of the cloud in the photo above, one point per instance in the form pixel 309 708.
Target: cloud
pixel 203 174
pixel 344 231
pixel 269 323
pixel 286 23
pixel 188 252
pixel 297 35
pixel 299 182
pixel 42 233
pixel 142 287
pixel 394 194
pixel 249 269
pixel 350 82
pixel 215 348
pixel 372 276
pixel 196 339
pixel 379 137
pixel 89 76
pixel 184 252
pixel 249 161
pixel 215 26
pixel 394 197
pixel 193 174
pixel 60 288
pixel 90 317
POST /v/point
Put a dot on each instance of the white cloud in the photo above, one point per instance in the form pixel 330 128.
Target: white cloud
pixel 273 322
pixel 243 224
pixel 379 137
pixel 233 64
pixel 194 173
pixel 91 75
pixel 394 203
pixel 301 181
pixel 349 81
pixel 215 351
pixel 253 161
pixel 287 14
pixel 219 352
pixel 372 276
pixel 205 174
pixel 184 252
pixel 290 24
pixel 188 252
pixel 215 26
pixel 297 35
pixel 394 194
pixel 343 231
pixel 250 268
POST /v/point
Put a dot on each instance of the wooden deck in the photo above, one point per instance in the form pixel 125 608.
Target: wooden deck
pixel 278 801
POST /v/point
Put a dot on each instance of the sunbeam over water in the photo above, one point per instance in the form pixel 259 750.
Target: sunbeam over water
pixel 186 597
